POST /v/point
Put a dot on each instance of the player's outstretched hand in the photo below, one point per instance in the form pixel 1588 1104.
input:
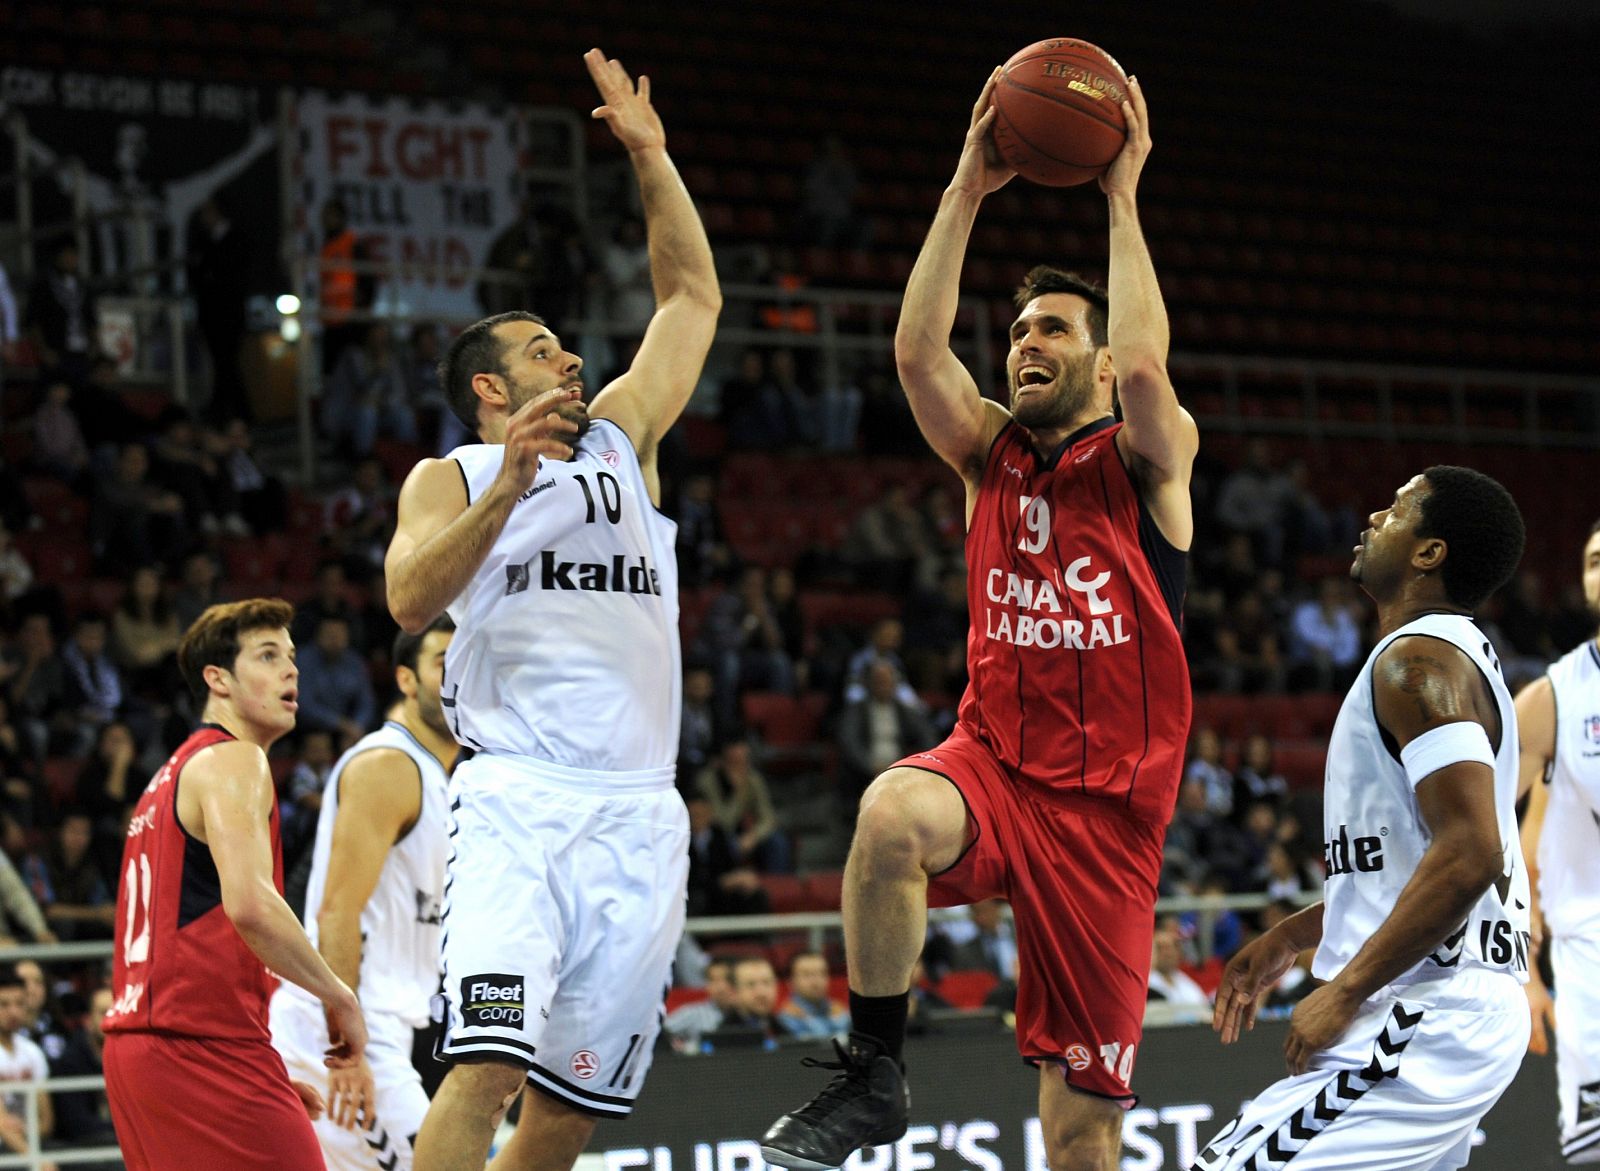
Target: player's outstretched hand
pixel 1122 176
pixel 626 108
pixel 351 1095
pixel 1543 1008
pixel 1317 1023
pixel 981 169
pixel 309 1098
pixel 1249 976
pixel 537 429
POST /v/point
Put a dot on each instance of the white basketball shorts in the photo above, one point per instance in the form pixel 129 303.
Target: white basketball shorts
pixel 1402 1090
pixel 564 902
pixel 300 1035
pixel 1574 961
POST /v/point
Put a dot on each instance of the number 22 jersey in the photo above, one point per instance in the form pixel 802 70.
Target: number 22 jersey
pixel 178 965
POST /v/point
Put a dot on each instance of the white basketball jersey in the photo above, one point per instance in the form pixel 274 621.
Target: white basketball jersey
pixel 566 645
pixel 400 963
pixel 1569 843
pixel 1375 835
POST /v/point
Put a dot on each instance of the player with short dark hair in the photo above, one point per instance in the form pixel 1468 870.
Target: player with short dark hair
pixel 1422 937
pixel 566 893
pixel 1560 730
pixel 202 928
pixel 1055 789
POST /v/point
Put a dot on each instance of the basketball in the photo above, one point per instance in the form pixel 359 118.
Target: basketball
pixel 1058 118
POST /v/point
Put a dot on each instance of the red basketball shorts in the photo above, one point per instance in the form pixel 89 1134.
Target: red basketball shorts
pixel 1081 879
pixel 213 1104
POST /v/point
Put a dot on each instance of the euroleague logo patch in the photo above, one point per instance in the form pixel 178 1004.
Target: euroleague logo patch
pixel 1591 729
pixel 612 458
pixel 1079 1057
pixel 585 1064
pixel 490 999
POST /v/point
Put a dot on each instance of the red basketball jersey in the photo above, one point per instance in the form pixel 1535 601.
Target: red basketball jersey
pixel 178 965
pixel 1077 677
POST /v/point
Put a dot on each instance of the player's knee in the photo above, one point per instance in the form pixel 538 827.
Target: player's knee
pixel 491 1086
pixel 1086 1148
pixel 907 816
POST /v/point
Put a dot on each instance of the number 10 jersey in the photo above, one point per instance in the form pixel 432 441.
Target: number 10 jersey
pixel 566 647
pixel 178 965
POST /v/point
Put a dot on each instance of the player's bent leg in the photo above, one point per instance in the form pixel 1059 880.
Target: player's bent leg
pixel 913 824
pixel 1082 1132
pixel 550 1136
pixel 471 1103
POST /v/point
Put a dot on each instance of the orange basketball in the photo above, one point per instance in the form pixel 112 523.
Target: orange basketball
pixel 1058 117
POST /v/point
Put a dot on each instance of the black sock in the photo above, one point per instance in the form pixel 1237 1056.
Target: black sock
pixel 883 1018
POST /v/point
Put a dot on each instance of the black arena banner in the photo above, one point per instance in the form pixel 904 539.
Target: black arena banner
pixel 154 149
pixel 975 1106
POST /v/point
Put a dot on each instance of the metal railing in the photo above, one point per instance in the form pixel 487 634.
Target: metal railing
pixel 816 924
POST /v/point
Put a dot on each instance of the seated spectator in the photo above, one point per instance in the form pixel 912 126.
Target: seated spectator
pixel 936 636
pixel 1260 834
pixel 1253 499
pixel 742 805
pixel 82 1117
pixel 985 942
pixel 106 786
pixel 687 1023
pixel 703 553
pixel 335 689
pixel 94 687
pixel 883 645
pixel 197 588
pixel 67 884
pixel 367 395
pixel 59 448
pixel 133 520
pixel 1168 981
pixel 751 408
pixel 302 794
pixel 755 999
pixel 20 1061
pixel 1257 779
pixel 329 599
pixel 810 1011
pixel 19 790
pixel 1325 639
pixel 145 634
pixel 784 599
pixel 16 575
pixel 1205 765
pixel 877 730
pixel 42 1019
pixel 887 540
pixel 743 635
pixel 1248 647
pixel 1282 878
pixel 62 317
pixel 37 687
pixel 719 882
pixel 182 462
pixel 701 727
pixel 262 499
pixel 359 518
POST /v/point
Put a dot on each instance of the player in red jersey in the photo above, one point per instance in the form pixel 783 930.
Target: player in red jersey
pixel 1055 788
pixel 191 1073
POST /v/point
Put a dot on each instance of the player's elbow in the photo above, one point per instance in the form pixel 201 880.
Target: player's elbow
pixel 247 911
pixel 407 615
pixel 915 353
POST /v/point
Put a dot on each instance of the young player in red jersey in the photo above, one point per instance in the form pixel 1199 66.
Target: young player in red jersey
pixel 1055 789
pixel 191 1073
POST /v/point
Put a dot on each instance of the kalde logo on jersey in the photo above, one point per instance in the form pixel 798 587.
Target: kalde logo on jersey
pixel 1041 599
pixel 1346 855
pixel 621 575
pixel 493 998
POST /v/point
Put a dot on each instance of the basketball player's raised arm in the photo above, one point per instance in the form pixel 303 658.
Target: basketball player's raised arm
pixel 1536 746
pixel 440 540
pixel 953 416
pixel 230 787
pixel 1158 433
pixel 1421 686
pixel 648 399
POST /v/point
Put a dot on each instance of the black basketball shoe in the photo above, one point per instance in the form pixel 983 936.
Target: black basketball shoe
pixel 866 1104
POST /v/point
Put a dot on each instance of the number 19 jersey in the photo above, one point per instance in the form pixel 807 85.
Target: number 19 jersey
pixel 178 965
pixel 566 646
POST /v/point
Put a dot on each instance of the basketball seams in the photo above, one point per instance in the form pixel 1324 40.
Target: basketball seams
pixel 1043 154
pixel 1088 109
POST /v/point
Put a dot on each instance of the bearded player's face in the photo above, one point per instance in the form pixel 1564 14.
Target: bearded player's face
pixel 532 362
pixel 1051 367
